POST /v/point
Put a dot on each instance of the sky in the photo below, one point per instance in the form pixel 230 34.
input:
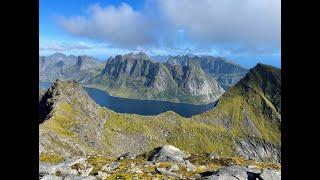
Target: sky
pixel 244 31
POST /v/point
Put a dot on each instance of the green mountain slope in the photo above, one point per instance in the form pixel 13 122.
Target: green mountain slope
pixel 251 109
pixel 245 122
pixel 252 106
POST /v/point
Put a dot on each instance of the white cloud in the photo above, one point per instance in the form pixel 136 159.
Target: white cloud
pixel 62 47
pixel 121 26
pixel 254 22
pixel 220 27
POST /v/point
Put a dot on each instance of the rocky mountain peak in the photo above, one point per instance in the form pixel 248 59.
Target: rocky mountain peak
pixel 57 90
pixel 140 55
pixel 267 80
pixel 62 92
pixel 58 55
pixel 253 107
pixel 65 109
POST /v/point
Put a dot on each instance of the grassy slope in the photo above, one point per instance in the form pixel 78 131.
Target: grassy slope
pixel 247 97
pixel 207 132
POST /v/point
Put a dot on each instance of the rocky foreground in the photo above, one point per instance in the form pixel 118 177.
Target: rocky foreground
pixel 166 162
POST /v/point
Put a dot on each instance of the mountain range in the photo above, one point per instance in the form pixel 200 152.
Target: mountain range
pixel 246 122
pixel 60 66
pixel 227 73
pixel 188 79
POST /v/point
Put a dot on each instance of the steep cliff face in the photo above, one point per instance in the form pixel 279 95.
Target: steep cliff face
pixel 225 72
pixel 250 148
pixel 134 70
pixel 136 76
pixel 191 77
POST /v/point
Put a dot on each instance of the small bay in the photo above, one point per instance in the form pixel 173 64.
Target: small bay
pixel 141 107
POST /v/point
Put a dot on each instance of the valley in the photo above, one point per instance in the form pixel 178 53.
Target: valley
pixel 245 123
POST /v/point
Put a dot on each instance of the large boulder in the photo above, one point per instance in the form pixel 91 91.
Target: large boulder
pixel 51 177
pixel 235 171
pixel 167 153
pixel 270 174
pixel 220 177
pixel 242 173
pixel 73 177
pixel 73 166
pixel 60 169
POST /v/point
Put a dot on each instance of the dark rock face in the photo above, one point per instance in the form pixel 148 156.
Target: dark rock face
pixel 41 93
pixel 86 62
pixel 258 150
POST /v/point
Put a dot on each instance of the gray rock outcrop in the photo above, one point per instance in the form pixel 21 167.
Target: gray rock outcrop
pixel 168 153
pixel 258 150
pixel 243 173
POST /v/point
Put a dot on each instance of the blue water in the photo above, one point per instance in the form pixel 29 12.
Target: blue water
pixel 141 107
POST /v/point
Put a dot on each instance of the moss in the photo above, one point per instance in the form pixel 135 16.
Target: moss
pixel 62 120
pixel 165 164
pixel 50 158
pixel 123 176
pixel 77 166
pixel 97 162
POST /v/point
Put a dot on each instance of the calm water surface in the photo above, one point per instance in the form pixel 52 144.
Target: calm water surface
pixel 141 107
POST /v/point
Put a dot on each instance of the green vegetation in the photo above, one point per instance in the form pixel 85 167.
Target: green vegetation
pixel 247 101
pixel 62 120
pixel 245 111
pixel 50 158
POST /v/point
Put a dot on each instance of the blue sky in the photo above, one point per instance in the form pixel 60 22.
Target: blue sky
pixel 245 31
